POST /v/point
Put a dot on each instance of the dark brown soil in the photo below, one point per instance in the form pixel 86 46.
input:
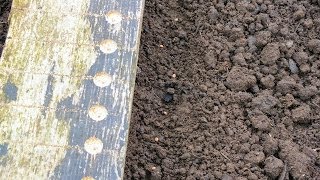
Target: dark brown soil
pixel 5 6
pixel 227 90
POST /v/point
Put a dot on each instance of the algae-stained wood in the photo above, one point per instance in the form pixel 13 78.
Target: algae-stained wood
pixel 66 79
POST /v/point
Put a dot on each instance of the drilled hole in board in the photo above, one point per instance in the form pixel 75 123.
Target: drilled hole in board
pixel 113 17
pixel 88 178
pixel 93 145
pixel 102 79
pixel 108 46
pixel 98 112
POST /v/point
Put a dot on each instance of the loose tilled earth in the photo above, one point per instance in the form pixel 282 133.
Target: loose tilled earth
pixel 226 89
pixel 5 6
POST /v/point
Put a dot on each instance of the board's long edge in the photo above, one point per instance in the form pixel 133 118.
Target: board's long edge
pixel 134 71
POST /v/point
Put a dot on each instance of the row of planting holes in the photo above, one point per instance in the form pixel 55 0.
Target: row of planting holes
pixel 93 145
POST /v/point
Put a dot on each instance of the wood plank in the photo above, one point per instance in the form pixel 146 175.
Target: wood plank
pixel 67 77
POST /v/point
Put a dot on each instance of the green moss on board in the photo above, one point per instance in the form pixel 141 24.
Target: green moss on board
pixel 20 3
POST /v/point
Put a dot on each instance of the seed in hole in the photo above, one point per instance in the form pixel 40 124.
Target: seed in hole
pixel 98 112
pixel 102 79
pixel 88 178
pixel 93 145
pixel 156 139
pixel 113 17
pixel 108 46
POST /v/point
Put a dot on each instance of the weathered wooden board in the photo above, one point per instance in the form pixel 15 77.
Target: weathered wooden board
pixel 66 84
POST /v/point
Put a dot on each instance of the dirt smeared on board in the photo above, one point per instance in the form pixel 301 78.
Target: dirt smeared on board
pixel 227 90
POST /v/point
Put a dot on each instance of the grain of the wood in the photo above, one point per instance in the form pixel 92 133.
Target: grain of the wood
pixel 52 55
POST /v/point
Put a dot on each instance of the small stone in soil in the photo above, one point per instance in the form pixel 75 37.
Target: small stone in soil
pixel 293 66
pixel 255 88
pixel 168 97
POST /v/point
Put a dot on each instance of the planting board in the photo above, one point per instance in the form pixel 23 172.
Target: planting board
pixel 66 85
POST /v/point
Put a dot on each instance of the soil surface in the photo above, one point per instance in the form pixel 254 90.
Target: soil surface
pixel 225 90
pixel 5 6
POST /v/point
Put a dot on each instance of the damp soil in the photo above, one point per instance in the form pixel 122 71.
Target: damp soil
pixel 225 90
pixel 5 6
